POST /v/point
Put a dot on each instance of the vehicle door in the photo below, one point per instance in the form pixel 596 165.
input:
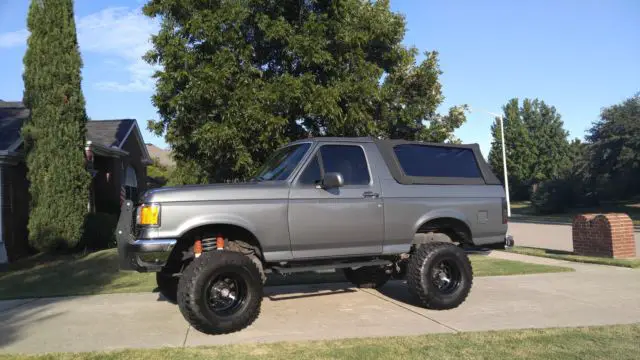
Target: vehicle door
pixel 339 220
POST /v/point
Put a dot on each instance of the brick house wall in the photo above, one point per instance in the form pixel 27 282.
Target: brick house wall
pixel 107 187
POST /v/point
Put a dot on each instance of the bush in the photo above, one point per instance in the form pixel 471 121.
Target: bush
pixel 99 231
pixel 554 196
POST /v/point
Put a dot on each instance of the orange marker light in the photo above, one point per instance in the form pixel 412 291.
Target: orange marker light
pixel 219 242
pixel 197 248
pixel 149 214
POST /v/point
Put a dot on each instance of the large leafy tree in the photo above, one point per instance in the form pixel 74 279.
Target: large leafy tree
pixel 614 150
pixel 54 135
pixel 239 78
pixel 519 149
pixel 550 140
pixel 536 145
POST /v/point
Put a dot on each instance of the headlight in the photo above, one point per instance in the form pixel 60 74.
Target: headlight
pixel 148 215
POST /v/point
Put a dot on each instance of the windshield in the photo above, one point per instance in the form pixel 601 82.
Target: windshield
pixel 280 165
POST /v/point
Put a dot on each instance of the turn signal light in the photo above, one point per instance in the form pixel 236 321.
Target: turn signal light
pixel 149 214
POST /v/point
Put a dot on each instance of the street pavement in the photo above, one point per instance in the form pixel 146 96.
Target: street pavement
pixel 592 295
pixel 553 236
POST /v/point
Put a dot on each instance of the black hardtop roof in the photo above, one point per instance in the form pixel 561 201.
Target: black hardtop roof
pixel 386 148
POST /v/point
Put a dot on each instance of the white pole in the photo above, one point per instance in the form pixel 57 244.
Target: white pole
pixel 504 166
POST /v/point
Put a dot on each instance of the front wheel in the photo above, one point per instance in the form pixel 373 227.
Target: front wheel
pixel 220 292
pixel 440 275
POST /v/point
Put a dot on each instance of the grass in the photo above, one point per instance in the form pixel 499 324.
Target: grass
pixel 618 342
pixel 564 255
pixel 98 273
pixel 523 211
pixel 486 266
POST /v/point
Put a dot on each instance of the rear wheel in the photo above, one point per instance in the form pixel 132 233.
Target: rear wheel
pixel 440 275
pixel 220 292
pixel 367 276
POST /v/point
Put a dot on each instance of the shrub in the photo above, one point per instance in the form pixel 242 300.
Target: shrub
pixel 99 231
pixel 554 196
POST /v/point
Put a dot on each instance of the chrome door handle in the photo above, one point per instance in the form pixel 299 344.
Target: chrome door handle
pixel 369 194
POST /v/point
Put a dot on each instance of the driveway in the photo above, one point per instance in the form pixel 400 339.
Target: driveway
pixel 554 236
pixel 592 295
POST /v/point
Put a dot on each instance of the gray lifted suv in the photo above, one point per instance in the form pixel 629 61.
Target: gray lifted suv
pixel 375 209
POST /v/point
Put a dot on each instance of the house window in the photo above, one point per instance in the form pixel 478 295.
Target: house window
pixel 131 184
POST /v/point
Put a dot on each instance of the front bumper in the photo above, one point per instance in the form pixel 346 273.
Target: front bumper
pixel 142 255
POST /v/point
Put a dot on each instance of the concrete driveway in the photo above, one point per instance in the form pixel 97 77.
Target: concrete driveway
pixel 593 295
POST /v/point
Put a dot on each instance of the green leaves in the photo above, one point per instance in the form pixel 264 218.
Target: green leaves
pixel 54 135
pixel 536 143
pixel 240 78
pixel 614 150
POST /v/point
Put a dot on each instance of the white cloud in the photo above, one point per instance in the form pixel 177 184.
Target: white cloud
pixel 14 38
pixel 123 33
pixel 119 33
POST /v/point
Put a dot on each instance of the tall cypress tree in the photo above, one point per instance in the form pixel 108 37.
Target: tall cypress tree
pixel 55 133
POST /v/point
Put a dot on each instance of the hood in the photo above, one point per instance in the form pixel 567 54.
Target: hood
pixel 266 190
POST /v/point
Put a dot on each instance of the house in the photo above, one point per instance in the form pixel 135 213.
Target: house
pixel 116 158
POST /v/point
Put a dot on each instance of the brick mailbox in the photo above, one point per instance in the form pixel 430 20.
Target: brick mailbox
pixel 608 235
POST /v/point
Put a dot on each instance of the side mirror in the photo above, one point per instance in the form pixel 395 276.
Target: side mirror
pixel 332 180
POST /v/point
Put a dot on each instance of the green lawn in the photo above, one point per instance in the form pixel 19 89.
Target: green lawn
pixel 618 342
pixel 524 211
pixel 98 273
pixel 563 255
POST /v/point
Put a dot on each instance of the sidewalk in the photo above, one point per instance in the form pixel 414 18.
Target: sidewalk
pixel 593 295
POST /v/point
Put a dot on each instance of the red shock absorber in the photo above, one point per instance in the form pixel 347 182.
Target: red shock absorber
pixel 197 248
pixel 219 242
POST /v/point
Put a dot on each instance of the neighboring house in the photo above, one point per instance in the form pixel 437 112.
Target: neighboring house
pixel 117 160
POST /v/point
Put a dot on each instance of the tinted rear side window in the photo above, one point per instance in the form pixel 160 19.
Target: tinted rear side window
pixel 435 161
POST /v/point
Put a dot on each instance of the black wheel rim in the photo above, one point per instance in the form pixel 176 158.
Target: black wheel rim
pixel 226 293
pixel 446 276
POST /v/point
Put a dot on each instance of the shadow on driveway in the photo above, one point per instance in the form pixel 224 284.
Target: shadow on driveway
pixel 19 313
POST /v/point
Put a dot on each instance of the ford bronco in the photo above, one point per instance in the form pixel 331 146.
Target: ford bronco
pixel 374 209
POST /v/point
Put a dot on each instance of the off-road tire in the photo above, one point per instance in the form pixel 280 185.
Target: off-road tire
pixel 421 267
pixel 242 247
pixel 193 287
pixel 168 286
pixel 367 277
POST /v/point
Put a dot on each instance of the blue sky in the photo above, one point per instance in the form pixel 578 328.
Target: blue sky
pixel 578 55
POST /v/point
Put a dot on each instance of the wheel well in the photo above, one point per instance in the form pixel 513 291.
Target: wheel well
pixel 228 231
pixel 454 228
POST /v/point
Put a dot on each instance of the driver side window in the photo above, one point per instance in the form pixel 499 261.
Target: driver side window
pixel 348 160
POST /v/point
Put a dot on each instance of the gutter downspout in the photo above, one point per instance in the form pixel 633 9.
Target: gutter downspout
pixel 3 251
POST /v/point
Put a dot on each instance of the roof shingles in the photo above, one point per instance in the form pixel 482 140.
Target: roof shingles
pixel 109 133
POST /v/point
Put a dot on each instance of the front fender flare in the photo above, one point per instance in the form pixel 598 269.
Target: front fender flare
pixel 215 219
